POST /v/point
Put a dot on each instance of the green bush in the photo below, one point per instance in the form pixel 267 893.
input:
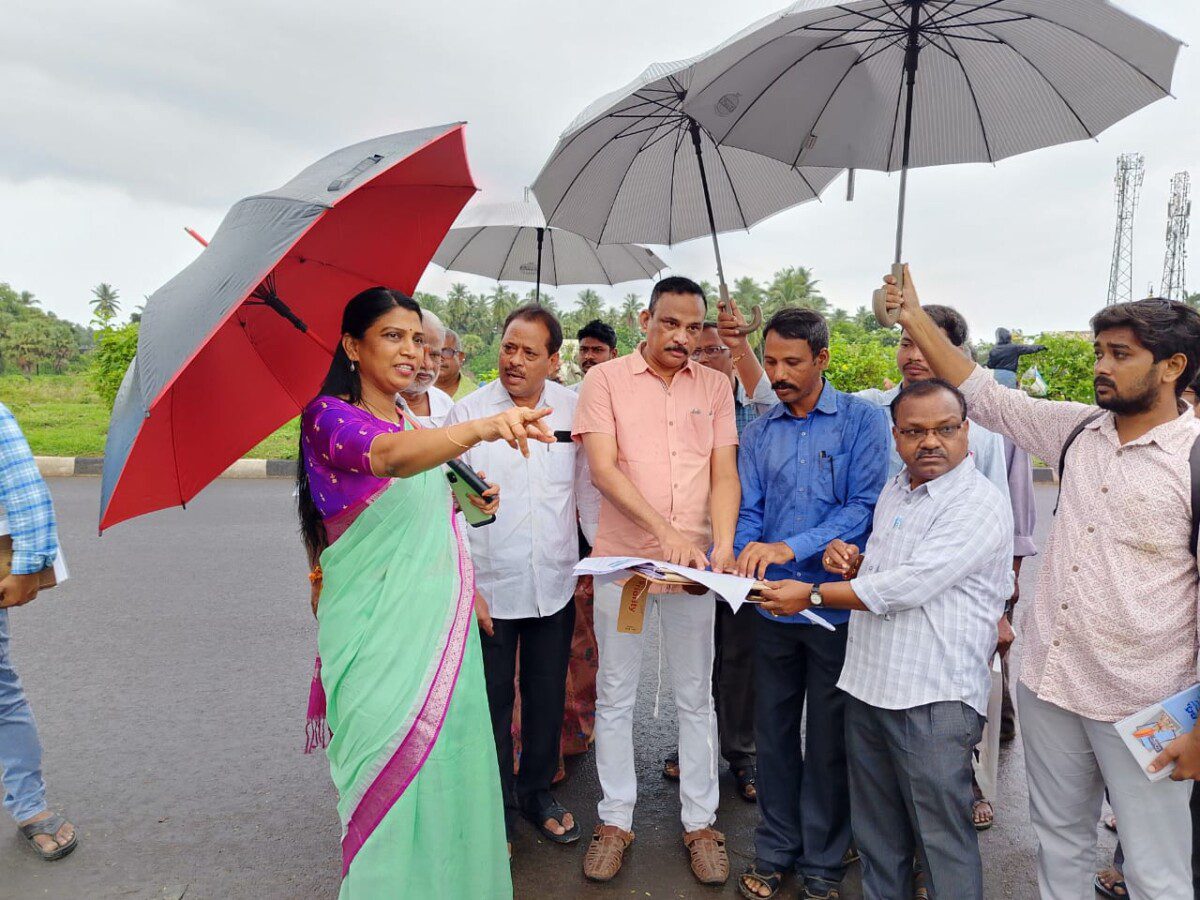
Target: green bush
pixel 1066 366
pixel 114 350
pixel 854 366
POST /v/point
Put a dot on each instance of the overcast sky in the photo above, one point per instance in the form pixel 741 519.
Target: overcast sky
pixel 125 121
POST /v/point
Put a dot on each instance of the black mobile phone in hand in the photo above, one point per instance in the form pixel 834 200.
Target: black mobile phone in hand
pixel 463 484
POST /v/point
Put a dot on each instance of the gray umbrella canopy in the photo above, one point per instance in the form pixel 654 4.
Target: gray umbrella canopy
pixel 634 166
pixel 890 84
pixel 511 242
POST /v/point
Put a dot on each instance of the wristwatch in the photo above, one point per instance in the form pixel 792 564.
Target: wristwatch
pixel 815 597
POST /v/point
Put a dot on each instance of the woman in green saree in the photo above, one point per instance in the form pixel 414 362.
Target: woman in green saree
pixel 411 753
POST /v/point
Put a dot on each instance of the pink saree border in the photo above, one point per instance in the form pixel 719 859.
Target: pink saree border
pixel 415 746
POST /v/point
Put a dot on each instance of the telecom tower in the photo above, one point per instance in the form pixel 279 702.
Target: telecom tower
pixel 1179 209
pixel 1130 169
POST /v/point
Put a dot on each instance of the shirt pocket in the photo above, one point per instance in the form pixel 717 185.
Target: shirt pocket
pixel 831 478
pixel 560 463
pixel 1151 520
pixel 696 433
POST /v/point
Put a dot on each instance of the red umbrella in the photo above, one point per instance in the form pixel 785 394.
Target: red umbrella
pixel 233 346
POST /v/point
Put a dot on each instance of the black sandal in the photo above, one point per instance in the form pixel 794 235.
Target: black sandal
pixel 745 776
pixel 49 827
pixel 546 807
pixel 772 881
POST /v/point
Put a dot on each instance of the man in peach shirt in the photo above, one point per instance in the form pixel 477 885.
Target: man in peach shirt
pixel 661 441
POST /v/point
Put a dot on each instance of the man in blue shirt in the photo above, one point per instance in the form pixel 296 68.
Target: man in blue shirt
pixel 27 519
pixel 811 470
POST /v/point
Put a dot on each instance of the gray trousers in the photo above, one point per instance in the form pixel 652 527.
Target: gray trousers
pixel 1069 760
pixel 910 793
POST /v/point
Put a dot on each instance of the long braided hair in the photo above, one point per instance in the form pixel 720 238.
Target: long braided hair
pixel 363 310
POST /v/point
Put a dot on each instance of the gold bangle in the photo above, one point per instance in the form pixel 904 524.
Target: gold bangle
pixel 738 359
pixel 453 441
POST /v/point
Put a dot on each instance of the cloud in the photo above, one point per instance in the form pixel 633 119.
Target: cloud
pixel 127 120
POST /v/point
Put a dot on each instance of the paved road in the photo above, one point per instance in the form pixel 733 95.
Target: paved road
pixel 169 677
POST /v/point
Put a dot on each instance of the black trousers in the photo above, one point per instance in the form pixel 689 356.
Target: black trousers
pixel 803 796
pixel 733 683
pixel 544 645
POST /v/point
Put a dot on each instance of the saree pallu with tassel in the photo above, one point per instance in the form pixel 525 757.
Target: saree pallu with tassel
pixel 412 753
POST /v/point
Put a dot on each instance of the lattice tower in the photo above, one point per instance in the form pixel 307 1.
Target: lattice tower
pixel 1179 210
pixel 1128 183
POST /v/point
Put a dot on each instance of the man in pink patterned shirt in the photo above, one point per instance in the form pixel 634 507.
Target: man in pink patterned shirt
pixel 1113 624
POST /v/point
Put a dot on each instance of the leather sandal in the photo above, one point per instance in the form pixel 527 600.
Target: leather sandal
pixel 49 827
pixel 706 847
pixel 772 881
pixel 606 852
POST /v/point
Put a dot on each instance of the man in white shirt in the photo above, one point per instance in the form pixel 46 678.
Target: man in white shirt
pixel 523 566
pixel 424 400
pixel 926 597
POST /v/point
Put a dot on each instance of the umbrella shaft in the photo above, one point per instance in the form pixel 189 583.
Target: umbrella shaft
pixel 911 51
pixel 537 288
pixel 694 128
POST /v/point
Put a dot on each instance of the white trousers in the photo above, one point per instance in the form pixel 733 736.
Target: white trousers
pixel 1069 761
pixel 686 640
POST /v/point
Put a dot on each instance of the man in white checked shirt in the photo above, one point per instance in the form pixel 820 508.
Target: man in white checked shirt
pixel 926 597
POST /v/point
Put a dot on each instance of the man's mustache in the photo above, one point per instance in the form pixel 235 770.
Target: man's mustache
pixel 938 452
pixel 783 386
pixel 1101 381
pixel 678 349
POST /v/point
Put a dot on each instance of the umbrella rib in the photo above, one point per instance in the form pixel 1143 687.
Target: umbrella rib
pixel 621 182
pixel 600 260
pixel 844 14
pixel 987 145
pixel 895 122
pixel 507 256
pixel 1050 84
pixel 671 191
pixel 966 12
pixel 1090 40
pixel 462 249
pixel 867 57
pixel 729 179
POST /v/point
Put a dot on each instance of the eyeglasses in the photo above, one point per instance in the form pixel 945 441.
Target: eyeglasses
pixel 942 432
pixel 710 352
pixel 448 353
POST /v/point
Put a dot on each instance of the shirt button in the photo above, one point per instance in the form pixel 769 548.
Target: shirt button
pixel 1104 490
pixel 802 462
pixel 1056 643
pixel 1119 452
pixel 672 452
pixel 1064 606
pixel 670 423
pixel 1074 568
pixel 1091 530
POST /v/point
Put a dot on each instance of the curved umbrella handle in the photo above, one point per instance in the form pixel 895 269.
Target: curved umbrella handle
pixel 886 317
pixel 755 313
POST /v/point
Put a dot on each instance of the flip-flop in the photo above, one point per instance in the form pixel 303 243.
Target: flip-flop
pixel 745 777
pixel 552 809
pixel 49 827
pixel 1118 891
pixel 983 826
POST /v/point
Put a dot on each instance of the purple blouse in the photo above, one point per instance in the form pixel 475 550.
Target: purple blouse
pixel 336 446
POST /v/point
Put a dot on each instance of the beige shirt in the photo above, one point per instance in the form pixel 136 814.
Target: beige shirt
pixel 1112 626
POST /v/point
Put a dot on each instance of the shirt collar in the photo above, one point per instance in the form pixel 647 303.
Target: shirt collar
pixel 501 399
pixel 942 486
pixel 827 403
pixel 1171 436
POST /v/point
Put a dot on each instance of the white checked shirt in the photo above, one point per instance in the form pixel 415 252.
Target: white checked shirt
pixel 523 560
pixel 936 572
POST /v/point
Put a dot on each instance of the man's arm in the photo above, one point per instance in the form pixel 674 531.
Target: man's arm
pixel 624 495
pixel 725 498
pixel 1039 426
pixel 30 511
pixel 745 363
pixel 587 498
pixel 753 497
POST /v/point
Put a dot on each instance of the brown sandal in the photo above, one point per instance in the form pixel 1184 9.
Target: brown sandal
pixel 606 853
pixel 706 847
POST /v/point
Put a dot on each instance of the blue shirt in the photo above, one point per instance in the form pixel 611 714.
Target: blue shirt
pixel 808 481
pixel 25 501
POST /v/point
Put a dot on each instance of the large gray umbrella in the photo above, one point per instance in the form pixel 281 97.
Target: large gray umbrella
pixel 511 242
pixel 634 166
pixel 891 84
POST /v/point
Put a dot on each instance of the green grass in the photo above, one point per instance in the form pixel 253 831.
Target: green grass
pixel 62 416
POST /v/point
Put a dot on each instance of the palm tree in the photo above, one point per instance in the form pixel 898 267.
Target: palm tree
pixel 104 304
pixel 458 306
pixel 503 302
pixel 747 292
pixel 431 302
pixel 590 306
pixel 546 300
pixel 794 286
pixel 631 309
pixel 26 299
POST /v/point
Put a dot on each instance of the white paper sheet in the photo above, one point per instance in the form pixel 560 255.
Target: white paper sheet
pixel 733 589
pixel 61 573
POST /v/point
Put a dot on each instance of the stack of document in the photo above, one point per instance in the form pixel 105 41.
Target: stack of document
pixel 733 589
pixel 1145 733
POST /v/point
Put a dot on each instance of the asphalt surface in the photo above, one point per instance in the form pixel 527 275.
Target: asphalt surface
pixel 169 678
